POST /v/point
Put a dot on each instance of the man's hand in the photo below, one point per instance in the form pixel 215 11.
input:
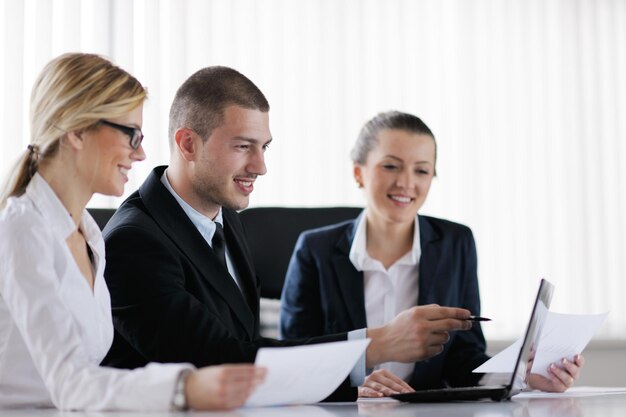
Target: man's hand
pixel 222 387
pixel 415 334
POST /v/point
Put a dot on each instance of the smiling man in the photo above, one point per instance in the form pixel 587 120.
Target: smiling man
pixel 182 283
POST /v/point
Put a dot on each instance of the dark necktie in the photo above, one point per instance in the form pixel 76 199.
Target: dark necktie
pixel 219 244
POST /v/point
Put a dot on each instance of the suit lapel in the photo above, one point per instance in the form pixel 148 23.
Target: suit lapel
pixel 174 222
pixel 429 259
pixel 349 279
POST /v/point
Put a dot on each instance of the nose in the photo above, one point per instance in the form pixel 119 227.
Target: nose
pixel 256 164
pixel 138 154
pixel 404 179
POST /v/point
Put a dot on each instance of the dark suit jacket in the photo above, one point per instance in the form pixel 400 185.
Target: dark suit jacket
pixel 323 293
pixel 172 300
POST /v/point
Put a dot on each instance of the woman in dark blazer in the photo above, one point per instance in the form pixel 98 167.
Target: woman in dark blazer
pixel 363 272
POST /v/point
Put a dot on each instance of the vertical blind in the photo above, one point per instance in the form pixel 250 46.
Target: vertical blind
pixel 527 99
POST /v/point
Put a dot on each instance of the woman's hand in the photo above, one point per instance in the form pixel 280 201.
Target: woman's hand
pixel 222 387
pixel 561 376
pixel 383 383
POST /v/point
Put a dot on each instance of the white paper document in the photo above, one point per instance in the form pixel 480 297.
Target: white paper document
pixel 304 374
pixel 562 336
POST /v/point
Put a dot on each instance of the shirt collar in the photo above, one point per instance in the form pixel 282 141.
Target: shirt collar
pixel 358 251
pixel 52 209
pixel 205 225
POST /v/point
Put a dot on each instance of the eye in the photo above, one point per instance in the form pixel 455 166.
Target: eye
pixel 266 147
pixel 243 146
pixel 390 167
pixel 422 171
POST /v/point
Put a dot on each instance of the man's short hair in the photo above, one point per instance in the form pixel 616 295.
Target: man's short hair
pixel 200 101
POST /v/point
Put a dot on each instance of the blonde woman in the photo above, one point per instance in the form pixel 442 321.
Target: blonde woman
pixel 55 315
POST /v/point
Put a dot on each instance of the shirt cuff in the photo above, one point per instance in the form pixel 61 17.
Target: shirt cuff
pixel 357 375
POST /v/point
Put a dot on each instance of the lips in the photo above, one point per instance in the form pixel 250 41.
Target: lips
pixel 401 199
pixel 124 171
pixel 246 185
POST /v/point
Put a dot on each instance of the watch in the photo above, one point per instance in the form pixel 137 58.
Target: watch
pixel 179 400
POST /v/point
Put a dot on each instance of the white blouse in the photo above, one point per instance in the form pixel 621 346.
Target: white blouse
pixel 387 292
pixel 54 331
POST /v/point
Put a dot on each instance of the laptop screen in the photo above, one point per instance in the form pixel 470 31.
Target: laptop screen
pixel 533 331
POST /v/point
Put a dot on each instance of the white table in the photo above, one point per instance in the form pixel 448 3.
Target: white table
pixel 611 405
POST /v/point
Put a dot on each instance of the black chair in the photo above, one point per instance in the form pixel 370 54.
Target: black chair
pixel 272 233
pixel 101 215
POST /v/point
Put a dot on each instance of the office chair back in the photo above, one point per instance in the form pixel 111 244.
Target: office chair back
pixel 272 233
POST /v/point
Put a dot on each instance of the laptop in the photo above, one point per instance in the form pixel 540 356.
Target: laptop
pixel 496 392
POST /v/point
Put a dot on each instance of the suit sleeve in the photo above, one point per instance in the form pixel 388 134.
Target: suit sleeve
pixel 301 308
pixel 467 350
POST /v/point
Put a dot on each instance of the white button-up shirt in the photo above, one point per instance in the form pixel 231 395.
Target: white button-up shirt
pixel 387 291
pixel 54 331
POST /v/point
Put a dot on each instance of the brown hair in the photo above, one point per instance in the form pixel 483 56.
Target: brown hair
pixel 368 137
pixel 200 102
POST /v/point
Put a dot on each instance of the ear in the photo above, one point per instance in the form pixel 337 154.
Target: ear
pixel 357 172
pixel 187 143
pixel 74 139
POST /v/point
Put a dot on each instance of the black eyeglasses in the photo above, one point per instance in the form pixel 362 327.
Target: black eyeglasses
pixel 135 134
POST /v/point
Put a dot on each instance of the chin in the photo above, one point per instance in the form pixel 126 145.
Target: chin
pixel 236 204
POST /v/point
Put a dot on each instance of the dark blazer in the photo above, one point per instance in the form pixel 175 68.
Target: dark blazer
pixel 172 300
pixel 323 293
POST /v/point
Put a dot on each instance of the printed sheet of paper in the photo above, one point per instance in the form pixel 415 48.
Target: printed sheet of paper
pixel 304 374
pixel 563 336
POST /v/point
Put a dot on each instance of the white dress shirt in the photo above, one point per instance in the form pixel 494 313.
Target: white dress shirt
pixel 387 291
pixel 54 331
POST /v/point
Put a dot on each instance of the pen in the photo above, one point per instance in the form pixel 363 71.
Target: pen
pixel 478 318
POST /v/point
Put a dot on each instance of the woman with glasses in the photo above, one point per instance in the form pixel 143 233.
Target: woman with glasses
pixel 55 312
pixel 365 271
